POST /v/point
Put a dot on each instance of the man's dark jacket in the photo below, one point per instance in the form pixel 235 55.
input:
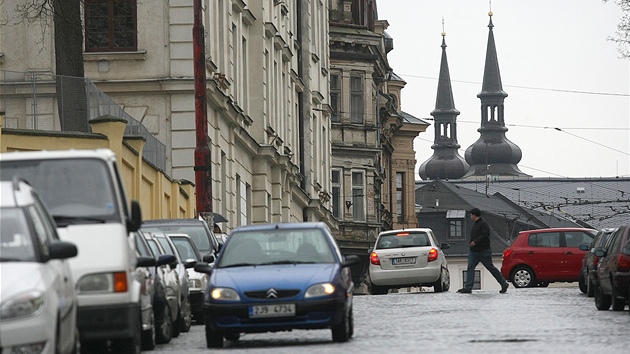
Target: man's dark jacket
pixel 480 233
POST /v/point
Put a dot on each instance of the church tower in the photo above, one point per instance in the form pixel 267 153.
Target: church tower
pixel 493 154
pixel 446 163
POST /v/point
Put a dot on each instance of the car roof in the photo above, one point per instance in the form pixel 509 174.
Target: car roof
pixel 173 221
pixel 16 193
pixel 57 154
pixel 557 229
pixel 285 225
pixel 417 229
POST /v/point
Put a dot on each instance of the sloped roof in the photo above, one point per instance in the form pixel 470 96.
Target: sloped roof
pixel 590 202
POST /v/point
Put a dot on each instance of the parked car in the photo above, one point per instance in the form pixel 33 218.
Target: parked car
pixel 409 257
pixel 613 271
pixel 198 231
pixel 166 320
pixel 154 302
pixel 197 282
pixel 38 304
pixel 279 277
pixel 84 193
pixel 184 319
pixel 542 256
pixel 588 273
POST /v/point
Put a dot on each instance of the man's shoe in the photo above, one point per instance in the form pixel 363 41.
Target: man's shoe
pixel 464 291
pixel 504 288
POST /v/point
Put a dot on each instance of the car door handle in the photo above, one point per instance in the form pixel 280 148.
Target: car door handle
pixel 530 252
pixel 568 253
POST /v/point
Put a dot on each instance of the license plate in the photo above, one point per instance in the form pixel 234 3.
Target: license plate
pixel 277 310
pixel 404 260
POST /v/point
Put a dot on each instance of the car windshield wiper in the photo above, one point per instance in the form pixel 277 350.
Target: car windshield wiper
pixel 6 259
pixel 64 220
pixel 240 265
pixel 288 262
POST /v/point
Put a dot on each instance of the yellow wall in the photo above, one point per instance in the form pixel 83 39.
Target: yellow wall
pixel 159 196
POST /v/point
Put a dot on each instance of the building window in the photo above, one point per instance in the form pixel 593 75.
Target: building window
pixel 336 193
pixel 477 282
pixel 356 99
pixel 455 229
pixel 335 95
pixel 110 25
pixel 358 196
pixel 455 224
pixel 400 196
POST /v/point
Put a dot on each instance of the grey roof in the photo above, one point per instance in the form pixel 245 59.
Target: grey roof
pixel 408 118
pixel 596 202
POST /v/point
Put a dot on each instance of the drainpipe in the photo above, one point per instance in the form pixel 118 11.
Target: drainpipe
pixel 203 160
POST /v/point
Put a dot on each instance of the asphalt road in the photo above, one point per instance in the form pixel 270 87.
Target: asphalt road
pixel 538 320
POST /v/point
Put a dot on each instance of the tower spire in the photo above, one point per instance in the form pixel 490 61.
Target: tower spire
pixel 446 163
pixel 493 153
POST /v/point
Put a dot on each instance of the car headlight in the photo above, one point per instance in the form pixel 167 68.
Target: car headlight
pixel 24 304
pixel 103 282
pixel 224 294
pixel 323 289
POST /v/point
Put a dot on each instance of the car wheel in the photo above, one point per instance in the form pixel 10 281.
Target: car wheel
pixel 602 301
pixel 341 332
pixel 582 283
pixel 148 336
pixel 378 290
pixel 177 324
pixel 438 286
pixel 543 284
pixel 618 301
pixel 214 339
pixel 186 319
pixel 165 326
pixel 233 336
pixel 351 323
pixel 590 288
pixel 523 277
pixel 446 280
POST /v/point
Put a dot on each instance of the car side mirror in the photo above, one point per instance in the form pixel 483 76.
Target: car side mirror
pixel 143 262
pixel 203 267
pixel 166 259
pixel 600 253
pixel 62 250
pixel 209 258
pixel 583 247
pixel 445 245
pixel 135 220
pixel 189 263
pixel 369 251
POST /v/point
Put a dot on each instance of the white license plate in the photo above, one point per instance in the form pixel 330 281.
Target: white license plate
pixel 404 260
pixel 277 310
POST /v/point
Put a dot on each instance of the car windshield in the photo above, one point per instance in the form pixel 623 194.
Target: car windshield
pixel 405 239
pixel 277 246
pixel 197 234
pixel 15 241
pixel 185 248
pixel 74 190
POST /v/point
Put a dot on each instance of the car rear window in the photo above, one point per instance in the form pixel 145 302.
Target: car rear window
pixel 405 239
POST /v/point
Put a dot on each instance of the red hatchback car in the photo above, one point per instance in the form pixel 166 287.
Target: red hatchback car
pixel 543 256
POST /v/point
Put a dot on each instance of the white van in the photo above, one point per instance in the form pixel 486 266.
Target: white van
pixel 84 193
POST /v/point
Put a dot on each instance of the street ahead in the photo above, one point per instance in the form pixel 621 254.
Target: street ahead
pixel 538 320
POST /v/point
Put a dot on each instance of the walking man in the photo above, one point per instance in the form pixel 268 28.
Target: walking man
pixel 480 252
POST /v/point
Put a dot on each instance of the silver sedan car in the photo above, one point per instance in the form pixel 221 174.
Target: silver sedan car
pixel 406 258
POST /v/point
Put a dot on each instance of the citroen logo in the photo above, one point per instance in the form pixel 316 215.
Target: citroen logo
pixel 272 294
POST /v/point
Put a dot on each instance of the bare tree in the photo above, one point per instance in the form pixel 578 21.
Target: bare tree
pixel 68 40
pixel 622 36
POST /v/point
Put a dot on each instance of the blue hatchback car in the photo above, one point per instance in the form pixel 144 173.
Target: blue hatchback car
pixel 277 277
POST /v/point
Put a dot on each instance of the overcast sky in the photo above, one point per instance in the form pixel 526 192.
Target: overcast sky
pixel 557 67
